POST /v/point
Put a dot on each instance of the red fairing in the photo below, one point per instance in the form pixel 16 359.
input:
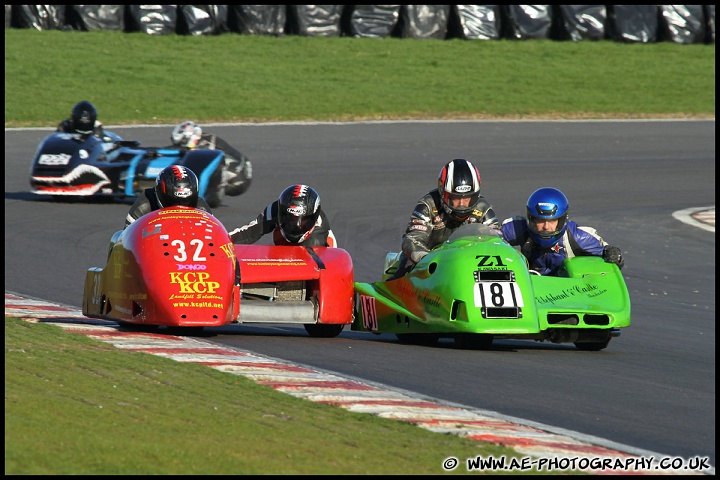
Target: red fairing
pixel 178 267
pixel 174 267
pixel 337 290
pixel 327 271
pixel 271 263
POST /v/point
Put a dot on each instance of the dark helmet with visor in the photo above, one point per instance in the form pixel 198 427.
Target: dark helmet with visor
pixel 83 117
pixel 298 212
pixel 547 204
pixel 177 186
pixel 459 179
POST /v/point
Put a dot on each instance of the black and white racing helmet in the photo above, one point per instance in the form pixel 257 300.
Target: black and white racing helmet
pixel 298 211
pixel 459 179
pixel 177 185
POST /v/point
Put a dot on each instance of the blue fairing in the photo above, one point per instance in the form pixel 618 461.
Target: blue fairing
pixel 204 176
pixel 164 159
pixel 82 165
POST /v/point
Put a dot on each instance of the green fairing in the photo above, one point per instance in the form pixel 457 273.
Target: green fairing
pixel 443 296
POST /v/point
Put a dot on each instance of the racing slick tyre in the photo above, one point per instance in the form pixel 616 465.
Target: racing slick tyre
pixel 238 174
pixel 593 341
pixel 591 346
pixel 185 331
pixel 320 330
pixel 473 341
pixel 427 339
pixel 138 327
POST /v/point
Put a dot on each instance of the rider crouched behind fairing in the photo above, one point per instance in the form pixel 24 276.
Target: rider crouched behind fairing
pixel 455 202
pixel 295 218
pixel 238 169
pixel 83 120
pixel 175 186
pixel 546 237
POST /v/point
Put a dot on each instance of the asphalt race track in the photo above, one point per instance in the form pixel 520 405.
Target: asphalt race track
pixel 653 388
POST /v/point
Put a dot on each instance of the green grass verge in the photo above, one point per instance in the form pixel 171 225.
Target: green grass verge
pixel 78 406
pixel 140 78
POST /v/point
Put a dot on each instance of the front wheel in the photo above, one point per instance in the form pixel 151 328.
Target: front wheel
pixel 185 331
pixel 321 330
pixel 138 327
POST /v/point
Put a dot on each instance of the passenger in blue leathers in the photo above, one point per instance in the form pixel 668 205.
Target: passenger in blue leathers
pixel 546 237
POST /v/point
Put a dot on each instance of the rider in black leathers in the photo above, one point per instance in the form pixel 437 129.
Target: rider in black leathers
pixel 82 120
pixel 175 185
pixel 456 201
pixel 296 218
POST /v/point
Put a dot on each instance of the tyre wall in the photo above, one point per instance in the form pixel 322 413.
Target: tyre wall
pixel 624 23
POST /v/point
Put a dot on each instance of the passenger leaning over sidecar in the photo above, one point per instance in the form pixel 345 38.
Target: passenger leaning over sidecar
pixel 546 237
pixel 295 218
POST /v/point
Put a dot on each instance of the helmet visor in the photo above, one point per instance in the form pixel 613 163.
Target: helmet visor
pixel 294 227
pixel 464 203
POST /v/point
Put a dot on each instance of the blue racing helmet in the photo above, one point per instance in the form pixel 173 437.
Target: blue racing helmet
pixel 547 204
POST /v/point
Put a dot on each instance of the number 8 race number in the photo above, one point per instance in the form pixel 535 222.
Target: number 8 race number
pixel 498 294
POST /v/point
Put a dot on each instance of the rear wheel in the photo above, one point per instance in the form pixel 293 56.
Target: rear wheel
pixel 591 346
pixel 593 340
pixel 321 330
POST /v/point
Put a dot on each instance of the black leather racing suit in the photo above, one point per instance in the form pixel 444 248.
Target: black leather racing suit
pixel 430 225
pixel 68 127
pixel 267 222
pixel 148 202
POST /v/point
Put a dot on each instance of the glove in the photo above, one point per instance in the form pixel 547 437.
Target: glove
pixel 613 255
